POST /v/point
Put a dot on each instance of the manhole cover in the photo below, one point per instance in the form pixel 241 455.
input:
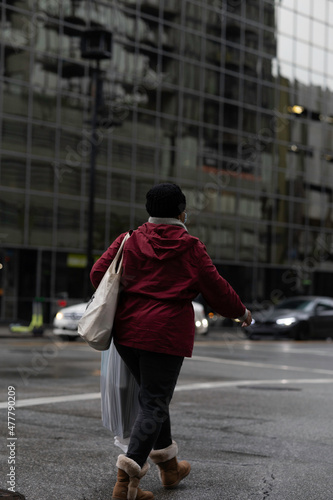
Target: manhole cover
pixel 11 495
pixel 268 388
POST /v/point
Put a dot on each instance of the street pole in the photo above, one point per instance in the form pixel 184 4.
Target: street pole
pixel 96 89
pixel 96 44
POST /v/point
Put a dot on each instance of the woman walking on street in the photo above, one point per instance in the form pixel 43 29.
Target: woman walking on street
pixel 164 269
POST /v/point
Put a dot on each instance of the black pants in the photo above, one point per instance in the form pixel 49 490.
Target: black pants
pixel 156 375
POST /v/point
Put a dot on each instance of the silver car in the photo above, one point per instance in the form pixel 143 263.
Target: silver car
pixel 66 320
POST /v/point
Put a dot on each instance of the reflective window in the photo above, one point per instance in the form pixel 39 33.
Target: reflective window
pixel 234 104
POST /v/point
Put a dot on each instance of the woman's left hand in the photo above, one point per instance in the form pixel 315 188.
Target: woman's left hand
pixel 248 320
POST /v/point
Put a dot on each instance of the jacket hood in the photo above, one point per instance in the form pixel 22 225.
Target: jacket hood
pixel 162 241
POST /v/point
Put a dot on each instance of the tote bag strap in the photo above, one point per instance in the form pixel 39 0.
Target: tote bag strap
pixel 118 260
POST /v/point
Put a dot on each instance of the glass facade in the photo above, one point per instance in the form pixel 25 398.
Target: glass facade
pixel 231 99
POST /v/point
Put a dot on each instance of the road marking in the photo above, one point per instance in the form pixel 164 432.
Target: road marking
pixel 54 399
pixel 285 349
pixel 262 365
pixel 196 386
pixel 185 387
pixel 236 383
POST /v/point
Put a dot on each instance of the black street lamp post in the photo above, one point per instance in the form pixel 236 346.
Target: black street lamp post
pixel 96 44
pixel 96 90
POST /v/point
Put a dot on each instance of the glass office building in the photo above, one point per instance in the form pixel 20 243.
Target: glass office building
pixel 231 99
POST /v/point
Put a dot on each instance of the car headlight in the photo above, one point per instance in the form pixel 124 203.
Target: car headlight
pixel 198 324
pixel 59 315
pixel 286 321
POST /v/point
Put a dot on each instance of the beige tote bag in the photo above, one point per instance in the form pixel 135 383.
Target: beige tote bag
pixel 95 326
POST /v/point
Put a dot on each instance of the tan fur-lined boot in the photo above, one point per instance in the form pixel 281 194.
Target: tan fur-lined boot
pixel 129 475
pixel 171 471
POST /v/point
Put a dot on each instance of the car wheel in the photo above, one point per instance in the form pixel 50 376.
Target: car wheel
pixel 201 334
pixel 302 332
pixel 67 338
pixel 63 337
pixel 71 338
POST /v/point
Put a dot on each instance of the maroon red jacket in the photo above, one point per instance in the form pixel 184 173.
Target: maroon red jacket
pixel 164 269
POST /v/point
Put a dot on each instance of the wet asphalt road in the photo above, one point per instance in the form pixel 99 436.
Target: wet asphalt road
pixel 253 418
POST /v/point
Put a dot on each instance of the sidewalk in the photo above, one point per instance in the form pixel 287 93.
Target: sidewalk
pixel 225 333
pixel 5 332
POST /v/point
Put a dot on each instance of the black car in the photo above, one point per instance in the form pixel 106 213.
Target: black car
pixel 299 318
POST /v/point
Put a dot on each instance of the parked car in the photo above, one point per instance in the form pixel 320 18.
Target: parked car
pixel 299 318
pixel 66 320
pixel 200 320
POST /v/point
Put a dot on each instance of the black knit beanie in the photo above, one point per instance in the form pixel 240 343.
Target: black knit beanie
pixel 165 200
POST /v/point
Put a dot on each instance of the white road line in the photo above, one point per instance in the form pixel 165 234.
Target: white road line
pixel 328 354
pixel 262 365
pixel 237 383
pixel 196 386
pixel 187 387
pixel 53 399
pixel 284 349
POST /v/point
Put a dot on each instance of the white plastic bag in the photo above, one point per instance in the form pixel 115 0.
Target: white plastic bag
pixel 122 443
pixel 95 326
pixel 119 394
